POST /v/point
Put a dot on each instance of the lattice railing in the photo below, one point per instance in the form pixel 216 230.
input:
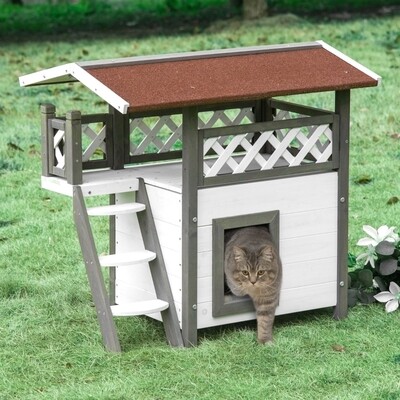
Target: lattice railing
pixel 76 143
pixel 290 140
pixel 163 134
pixel 233 143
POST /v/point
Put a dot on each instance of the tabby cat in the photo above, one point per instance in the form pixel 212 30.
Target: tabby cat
pixel 253 268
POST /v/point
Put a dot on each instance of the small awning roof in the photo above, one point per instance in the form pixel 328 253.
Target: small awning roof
pixel 212 77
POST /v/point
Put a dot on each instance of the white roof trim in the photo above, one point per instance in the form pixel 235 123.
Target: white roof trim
pixel 71 73
pixel 62 73
pixel 350 61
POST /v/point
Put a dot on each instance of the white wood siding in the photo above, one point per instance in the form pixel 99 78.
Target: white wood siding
pixel 308 241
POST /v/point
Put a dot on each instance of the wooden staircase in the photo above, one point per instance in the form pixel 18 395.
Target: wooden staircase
pixel 164 302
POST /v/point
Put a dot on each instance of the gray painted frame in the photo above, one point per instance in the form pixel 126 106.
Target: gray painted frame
pixel 223 305
pixel 342 108
pixel 157 268
pixel 190 168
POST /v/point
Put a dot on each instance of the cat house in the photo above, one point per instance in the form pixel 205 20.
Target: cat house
pixel 192 146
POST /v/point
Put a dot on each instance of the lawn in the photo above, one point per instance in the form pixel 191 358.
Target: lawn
pixel 50 345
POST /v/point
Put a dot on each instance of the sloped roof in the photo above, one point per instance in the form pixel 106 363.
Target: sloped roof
pixel 212 77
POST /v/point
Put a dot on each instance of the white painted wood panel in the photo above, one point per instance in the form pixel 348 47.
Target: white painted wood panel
pixel 169 235
pixel 289 195
pixel 165 204
pixel 293 300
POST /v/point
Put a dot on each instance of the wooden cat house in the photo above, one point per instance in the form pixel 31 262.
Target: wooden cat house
pixel 196 144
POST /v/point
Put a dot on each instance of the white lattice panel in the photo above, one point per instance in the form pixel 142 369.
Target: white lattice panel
pixel 164 133
pixel 290 147
pixel 59 142
pixel 96 141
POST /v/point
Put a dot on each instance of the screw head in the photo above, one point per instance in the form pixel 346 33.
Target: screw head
pixel 342 199
pixel 194 219
pixel 341 284
pixel 194 306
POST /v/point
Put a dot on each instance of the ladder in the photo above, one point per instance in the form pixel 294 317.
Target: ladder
pixel 94 263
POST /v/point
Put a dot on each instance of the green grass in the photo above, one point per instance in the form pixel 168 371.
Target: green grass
pixel 143 16
pixel 50 345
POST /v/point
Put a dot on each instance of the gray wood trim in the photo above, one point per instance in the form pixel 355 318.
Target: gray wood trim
pixel 94 273
pixel 280 172
pixel 73 148
pixel 59 172
pixel 157 268
pixel 87 65
pixel 229 305
pixel 298 108
pixel 120 138
pixel 48 112
pixel 342 108
pixel 335 127
pixel 143 158
pixel 189 226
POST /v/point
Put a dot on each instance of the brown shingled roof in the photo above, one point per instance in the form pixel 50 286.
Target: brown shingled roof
pixel 212 78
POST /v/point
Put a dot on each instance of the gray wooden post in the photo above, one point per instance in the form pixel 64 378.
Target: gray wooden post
pixel 190 169
pixel 342 107
pixel 157 268
pixel 120 139
pixel 48 111
pixel 94 273
pixel 73 148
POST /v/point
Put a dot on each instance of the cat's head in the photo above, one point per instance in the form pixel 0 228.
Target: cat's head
pixel 256 269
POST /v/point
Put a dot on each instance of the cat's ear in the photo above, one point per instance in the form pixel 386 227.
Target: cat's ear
pixel 239 254
pixel 267 254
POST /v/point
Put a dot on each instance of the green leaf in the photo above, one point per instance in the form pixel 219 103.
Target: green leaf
pixel 381 284
pixel 363 180
pixel 388 267
pixel 393 200
pixel 351 260
pixel 365 277
pixel 352 297
pixel 366 297
pixel 385 248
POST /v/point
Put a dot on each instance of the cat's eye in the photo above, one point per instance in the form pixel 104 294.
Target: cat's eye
pixel 245 273
pixel 261 272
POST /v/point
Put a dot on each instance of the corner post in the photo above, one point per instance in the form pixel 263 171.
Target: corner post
pixel 48 112
pixel 190 169
pixel 73 151
pixel 120 139
pixel 342 108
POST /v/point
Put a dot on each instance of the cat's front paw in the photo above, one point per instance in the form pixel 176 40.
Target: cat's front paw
pixel 265 340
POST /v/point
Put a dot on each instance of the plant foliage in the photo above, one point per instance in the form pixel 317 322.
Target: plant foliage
pixel 374 270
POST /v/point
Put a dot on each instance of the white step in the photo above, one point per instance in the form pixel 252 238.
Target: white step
pixel 123 259
pixel 116 209
pixel 139 308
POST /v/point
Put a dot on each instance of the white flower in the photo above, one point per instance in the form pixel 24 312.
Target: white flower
pixel 369 256
pixel 378 235
pixel 391 298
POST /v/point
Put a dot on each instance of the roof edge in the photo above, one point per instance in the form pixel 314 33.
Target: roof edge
pixel 350 61
pixel 59 74
pixel 74 73
pixel 193 55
